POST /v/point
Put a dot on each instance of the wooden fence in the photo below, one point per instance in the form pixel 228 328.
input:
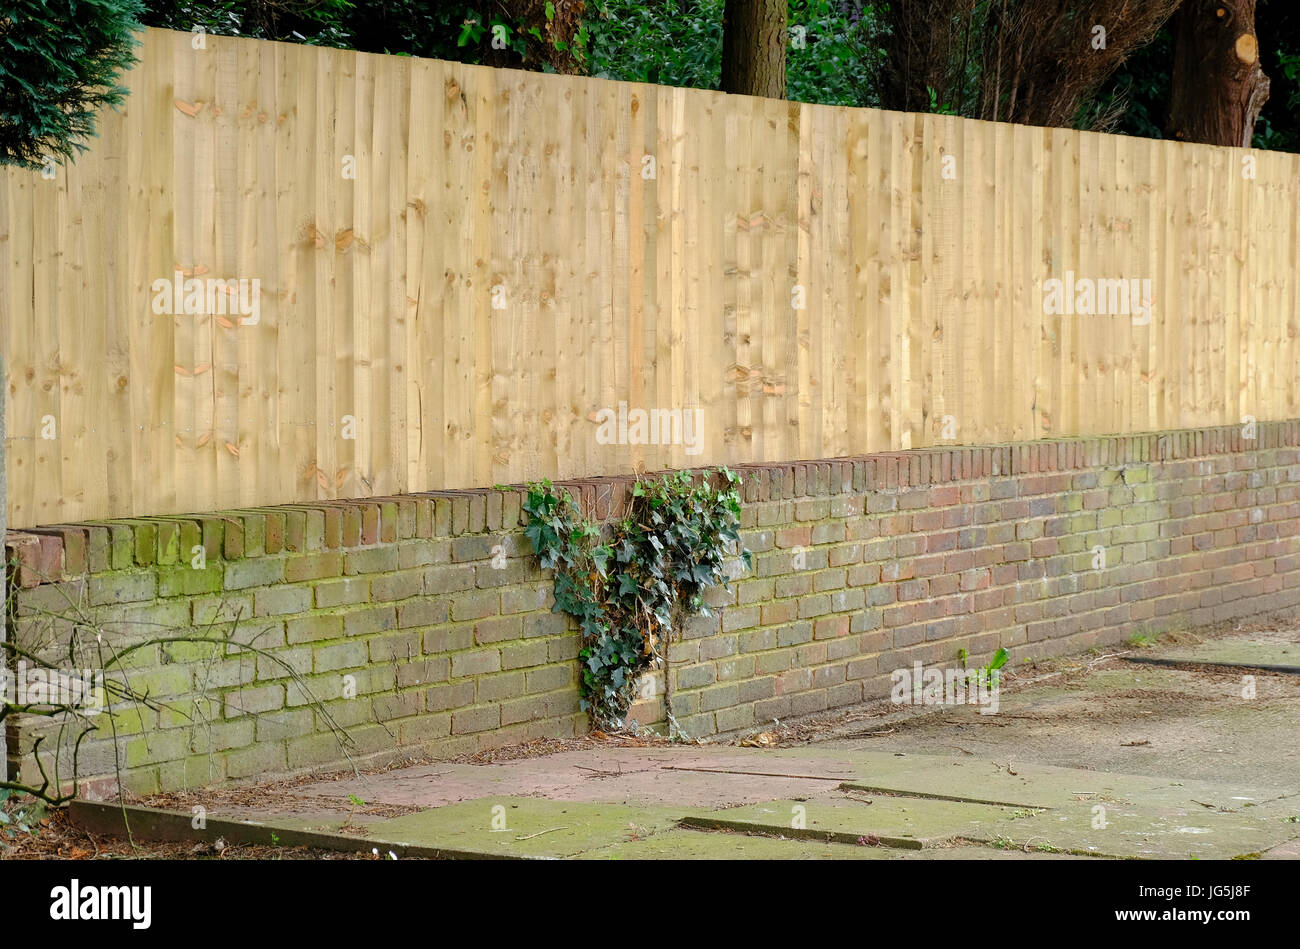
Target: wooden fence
pixel 459 268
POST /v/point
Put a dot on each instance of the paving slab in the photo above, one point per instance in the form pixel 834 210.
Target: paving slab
pixel 524 827
pixel 1117 830
pixel 1262 651
pixel 708 776
pixel 907 823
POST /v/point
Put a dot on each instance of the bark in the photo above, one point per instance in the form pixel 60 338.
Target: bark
pixel 1218 84
pixel 753 47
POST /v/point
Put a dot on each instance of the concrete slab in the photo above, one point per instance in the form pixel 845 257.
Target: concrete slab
pixel 524 827
pixel 709 776
pixel 906 823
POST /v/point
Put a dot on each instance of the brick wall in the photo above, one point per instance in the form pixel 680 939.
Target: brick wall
pixel 432 608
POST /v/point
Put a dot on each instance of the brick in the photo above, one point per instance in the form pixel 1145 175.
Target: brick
pixel 475 663
pixel 469 606
pixel 280 601
pixel 367 620
pixel 313 566
pixel 396 586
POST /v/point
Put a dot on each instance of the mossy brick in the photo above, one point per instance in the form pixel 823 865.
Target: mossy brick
pixel 478 718
pixel 281 601
pixel 345 591
pixel 498 629
pixel 389 526
pixel 349 526
pixel 739 618
pixel 259 571
pixel 715 647
pixel 160 681
pixel 825 580
pixel 313 529
pixel 452 695
pixel 473 547
pixel 295 530
pixel 332 528
pixel 719 696
pixel 284 724
pixel 229 672
pixel 445 639
pixel 200 649
pixel 528 709
pixel 816 605
pixel 189 543
pixel 52 598
pixel 523 655
pixel 735 718
pixel 477 517
pixel 394 647
pixel 314 628
pixel 224 608
pixel 442 517
pixel 312 750
pixel 694 677
pixel 524 599
pixel 369 619
pixel 563 648
pixel 448 579
pixel 254 533
pixel 350 655
pixel 121 546
pixel 217 736
pixel 511 509
pixel 283 663
pixel 155 748
pixel 499 686
pixel 144 542
pixel 423 517
pixel 475 605
pixel 263 698
pixel 313 566
pixel 369 524
pixel 495 574
pixel 423 611
pixel 232 537
pixel 423 671
pixel 263 758
pixel 422 553
pixel 549 678
pixel 123 586
pixel 370 560
pixel 475 663
pixel 260 633
pixel 186 581
pixel 401 585
pixel 459 514
pixel 493 510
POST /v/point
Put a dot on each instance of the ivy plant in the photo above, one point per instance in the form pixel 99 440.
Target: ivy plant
pixel 629 582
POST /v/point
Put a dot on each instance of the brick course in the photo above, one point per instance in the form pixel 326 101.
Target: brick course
pixel 405 626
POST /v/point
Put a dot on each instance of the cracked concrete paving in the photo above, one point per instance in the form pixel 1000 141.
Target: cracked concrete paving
pixel 1092 755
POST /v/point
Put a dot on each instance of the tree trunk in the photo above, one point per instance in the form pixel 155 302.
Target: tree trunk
pixel 1218 85
pixel 753 47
